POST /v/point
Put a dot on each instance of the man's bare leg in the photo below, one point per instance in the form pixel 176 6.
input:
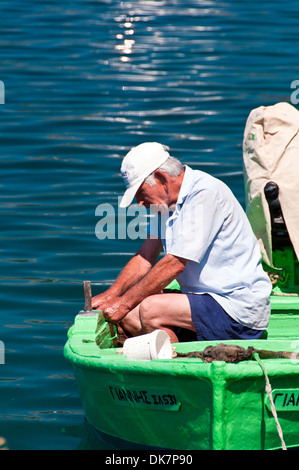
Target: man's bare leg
pixel 160 311
pixel 131 323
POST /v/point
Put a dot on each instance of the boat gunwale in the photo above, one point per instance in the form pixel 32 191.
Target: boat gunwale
pixel 117 363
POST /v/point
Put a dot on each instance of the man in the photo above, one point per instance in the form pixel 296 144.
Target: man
pixel 209 248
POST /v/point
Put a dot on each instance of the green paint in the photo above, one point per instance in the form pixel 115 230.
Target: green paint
pixel 186 403
pixel 286 266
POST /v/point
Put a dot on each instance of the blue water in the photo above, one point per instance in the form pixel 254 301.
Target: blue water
pixel 84 82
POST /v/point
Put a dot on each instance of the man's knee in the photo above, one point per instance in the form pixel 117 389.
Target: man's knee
pixel 149 312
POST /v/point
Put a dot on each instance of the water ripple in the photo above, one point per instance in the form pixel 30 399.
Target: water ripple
pixel 84 82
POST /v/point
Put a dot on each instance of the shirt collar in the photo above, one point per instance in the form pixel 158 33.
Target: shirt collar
pixel 186 185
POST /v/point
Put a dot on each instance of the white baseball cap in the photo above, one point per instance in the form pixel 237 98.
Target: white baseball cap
pixel 138 164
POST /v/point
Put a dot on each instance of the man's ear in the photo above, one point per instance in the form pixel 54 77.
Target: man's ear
pixel 161 177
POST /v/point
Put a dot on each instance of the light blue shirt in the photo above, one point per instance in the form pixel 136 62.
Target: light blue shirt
pixel 210 229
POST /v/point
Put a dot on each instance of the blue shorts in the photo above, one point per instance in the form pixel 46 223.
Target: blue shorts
pixel 213 323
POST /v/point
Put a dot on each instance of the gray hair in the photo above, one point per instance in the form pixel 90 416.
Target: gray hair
pixel 172 166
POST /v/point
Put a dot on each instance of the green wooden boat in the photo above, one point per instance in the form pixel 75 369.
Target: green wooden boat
pixel 186 403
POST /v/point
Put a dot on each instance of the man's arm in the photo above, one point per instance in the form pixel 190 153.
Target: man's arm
pixel 136 269
pixel 165 271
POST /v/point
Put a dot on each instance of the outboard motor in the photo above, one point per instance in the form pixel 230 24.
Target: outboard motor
pixel 271 173
pixel 279 234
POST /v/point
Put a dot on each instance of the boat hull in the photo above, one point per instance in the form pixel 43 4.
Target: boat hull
pixel 185 403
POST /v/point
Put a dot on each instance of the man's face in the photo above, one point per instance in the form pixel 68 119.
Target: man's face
pixel 153 197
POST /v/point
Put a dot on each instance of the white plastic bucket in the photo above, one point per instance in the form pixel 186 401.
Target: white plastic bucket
pixel 155 345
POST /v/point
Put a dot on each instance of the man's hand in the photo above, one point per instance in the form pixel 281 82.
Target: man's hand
pixel 115 310
pixel 99 300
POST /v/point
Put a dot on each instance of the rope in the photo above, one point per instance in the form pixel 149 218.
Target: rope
pixel 268 390
pixel 285 294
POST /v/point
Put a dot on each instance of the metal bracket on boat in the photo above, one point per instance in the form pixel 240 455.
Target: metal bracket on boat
pixel 87 297
pixel 88 311
pixel 279 272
